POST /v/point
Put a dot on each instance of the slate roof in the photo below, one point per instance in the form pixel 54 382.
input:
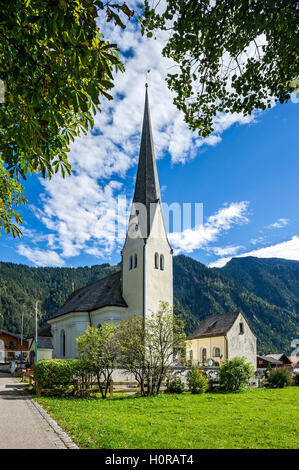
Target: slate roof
pixel 147 189
pixel 215 325
pixel 280 357
pixel 270 359
pixel 44 342
pixel 102 293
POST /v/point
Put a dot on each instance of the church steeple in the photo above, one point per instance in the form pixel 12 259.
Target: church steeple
pixel 146 255
pixel 147 189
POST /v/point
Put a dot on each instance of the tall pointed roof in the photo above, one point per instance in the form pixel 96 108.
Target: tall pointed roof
pixel 147 189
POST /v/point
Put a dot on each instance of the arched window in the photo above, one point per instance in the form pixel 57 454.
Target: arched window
pixel 162 262
pixel 131 263
pixel 135 260
pixel 203 354
pixel 216 352
pixel 191 355
pixel 157 260
pixel 99 326
pixel 62 343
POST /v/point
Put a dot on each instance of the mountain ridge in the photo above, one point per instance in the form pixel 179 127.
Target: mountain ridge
pixel 267 292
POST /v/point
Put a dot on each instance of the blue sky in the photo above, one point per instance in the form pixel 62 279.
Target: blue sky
pixel 245 174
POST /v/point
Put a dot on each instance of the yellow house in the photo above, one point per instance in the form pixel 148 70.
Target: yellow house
pixel 220 337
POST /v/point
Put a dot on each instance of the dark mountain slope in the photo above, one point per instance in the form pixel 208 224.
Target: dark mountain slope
pixel 199 291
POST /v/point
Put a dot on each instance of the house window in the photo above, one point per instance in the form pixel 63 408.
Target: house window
pixel 241 328
pixel 203 354
pixel 62 343
pixel 156 260
pixel 191 355
pixel 162 262
pixel 135 260
pixel 131 263
pixel 216 352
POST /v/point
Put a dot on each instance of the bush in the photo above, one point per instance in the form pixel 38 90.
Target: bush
pixel 57 372
pixel 197 381
pixel 235 374
pixel 280 377
pixel 176 386
pixel 296 379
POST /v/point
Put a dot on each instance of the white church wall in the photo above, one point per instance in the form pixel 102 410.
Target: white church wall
pixel 241 344
pixel 159 283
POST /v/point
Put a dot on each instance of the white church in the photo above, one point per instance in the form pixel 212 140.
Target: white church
pixel 145 277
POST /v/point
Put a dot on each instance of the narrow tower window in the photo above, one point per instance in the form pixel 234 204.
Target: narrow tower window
pixel 157 260
pixel 135 260
pixel 162 262
pixel 131 263
pixel 62 343
pixel 241 328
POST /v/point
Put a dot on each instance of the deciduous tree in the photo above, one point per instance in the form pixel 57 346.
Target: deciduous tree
pixel 232 56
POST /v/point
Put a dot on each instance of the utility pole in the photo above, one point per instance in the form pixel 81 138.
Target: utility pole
pixel 22 337
pixel 36 303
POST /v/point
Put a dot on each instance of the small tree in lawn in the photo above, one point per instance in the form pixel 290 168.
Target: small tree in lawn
pixel 99 348
pixel 164 333
pixel 132 348
pixel 147 346
pixel 235 374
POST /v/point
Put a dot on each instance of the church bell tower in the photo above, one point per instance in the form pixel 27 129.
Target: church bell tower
pixel 147 277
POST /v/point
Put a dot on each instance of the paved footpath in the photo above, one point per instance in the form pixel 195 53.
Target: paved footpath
pixel 23 424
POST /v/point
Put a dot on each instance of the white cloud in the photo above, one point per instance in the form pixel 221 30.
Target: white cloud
pixel 192 239
pixel 226 250
pixel 287 250
pixel 279 223
pixel 40 257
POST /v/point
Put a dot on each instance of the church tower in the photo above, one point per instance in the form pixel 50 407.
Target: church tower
pixel 147 277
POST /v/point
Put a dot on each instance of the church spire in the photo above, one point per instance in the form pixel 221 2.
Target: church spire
pixel 147 189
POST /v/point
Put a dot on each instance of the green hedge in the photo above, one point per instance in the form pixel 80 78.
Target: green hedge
pixel 59 372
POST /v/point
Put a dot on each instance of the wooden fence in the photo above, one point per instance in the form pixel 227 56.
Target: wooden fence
pixel 81 388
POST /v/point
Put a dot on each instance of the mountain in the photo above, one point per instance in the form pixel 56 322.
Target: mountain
pixel 275 280
pixel 266 291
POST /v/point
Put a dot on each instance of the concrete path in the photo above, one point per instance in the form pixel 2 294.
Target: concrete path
pixel 22 425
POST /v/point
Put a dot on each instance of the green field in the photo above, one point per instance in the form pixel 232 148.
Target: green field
pixel 252 419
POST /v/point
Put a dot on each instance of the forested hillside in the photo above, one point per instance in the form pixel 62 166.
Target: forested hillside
pixel 266 291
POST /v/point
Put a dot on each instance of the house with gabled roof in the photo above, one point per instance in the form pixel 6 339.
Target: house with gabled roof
pixel 220 337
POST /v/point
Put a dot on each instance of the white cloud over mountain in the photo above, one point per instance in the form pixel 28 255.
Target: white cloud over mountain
pixel 288 249
pixel 192 239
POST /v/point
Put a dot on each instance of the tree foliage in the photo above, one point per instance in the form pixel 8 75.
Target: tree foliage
pixel 235 374
pixel 197 381
pixel 99 349
pixel 232 56
pixel 147 346
pixel 57 68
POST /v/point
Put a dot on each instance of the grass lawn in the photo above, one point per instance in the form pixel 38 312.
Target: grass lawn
pixel 252 419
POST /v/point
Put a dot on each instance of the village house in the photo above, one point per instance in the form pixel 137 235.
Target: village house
pixel 44 345
pixel 220 337
pixel 11 345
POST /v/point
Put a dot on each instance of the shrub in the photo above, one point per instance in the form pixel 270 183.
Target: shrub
pixel 235 374
pixel 197 381
pixel 176 386
pixel 57 372
pixel 280 377
pixel 296 379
